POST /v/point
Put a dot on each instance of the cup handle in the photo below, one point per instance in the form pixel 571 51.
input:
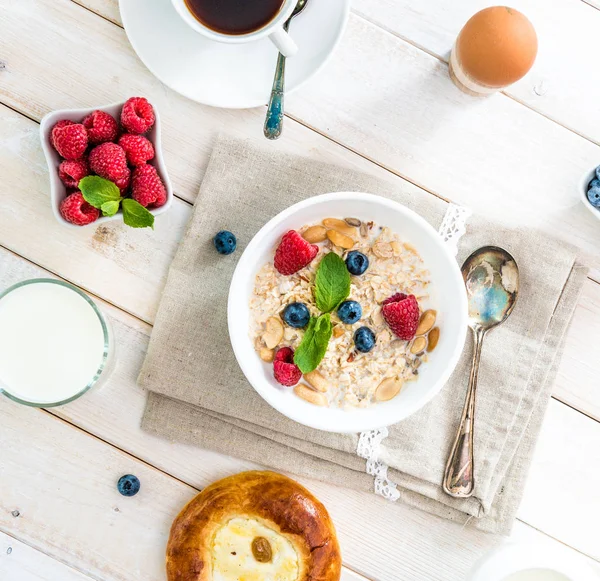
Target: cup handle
pixel 284 43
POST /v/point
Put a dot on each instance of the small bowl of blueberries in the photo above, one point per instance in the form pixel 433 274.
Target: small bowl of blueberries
pixel 590 191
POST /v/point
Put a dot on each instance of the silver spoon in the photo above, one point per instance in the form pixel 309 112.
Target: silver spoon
pixel 274 120
pixel 492 280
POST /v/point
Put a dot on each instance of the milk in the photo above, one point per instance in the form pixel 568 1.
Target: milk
pixel 536 575
pixel 52 343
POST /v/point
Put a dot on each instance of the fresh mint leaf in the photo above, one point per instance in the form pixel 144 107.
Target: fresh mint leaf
pixel 314 344
pixel 332 283
pixel 135 215
pixel 110 208
pixel 97 191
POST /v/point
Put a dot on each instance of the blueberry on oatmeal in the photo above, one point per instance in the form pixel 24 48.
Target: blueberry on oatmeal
pixel 364 339
pixel 296 315
pixel 357 263
pixel 349 312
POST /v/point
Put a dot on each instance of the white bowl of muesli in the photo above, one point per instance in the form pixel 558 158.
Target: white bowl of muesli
pixel 347 312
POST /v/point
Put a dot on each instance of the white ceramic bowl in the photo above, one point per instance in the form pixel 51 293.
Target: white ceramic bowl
pixel 448 296
pixel 58 191
pixel 583 188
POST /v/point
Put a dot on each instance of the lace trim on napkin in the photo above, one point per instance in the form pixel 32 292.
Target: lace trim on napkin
pixel 454 226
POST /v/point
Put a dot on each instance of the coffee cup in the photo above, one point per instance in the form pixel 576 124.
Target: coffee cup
pixel 228 22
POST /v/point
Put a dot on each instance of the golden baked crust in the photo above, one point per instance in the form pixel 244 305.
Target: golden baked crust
pixel 272 499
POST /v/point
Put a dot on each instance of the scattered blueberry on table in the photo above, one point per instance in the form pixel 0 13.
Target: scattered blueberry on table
pixel 296 315
pixel 128 485
pixel 364 339
pixel 356 262
pixel 225 242
pixel 349 312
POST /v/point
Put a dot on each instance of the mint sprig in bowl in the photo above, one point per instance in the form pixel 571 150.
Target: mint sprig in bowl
pixel 58 190
pixel 331 287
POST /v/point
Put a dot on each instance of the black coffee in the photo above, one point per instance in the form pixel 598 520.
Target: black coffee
pixel 234 16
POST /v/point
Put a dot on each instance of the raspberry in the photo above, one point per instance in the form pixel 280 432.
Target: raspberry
pixel 123 183
pixel 401 313
pixel 69 139
pixel 101 127
pixel 294 253
pixel 70 172
pixel 76 210
pixel 137 115
pixel 285 370
pixel 147 187
pixel 108 160
pixel 137 148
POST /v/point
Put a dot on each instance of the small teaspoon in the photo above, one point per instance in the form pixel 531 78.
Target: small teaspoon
pixel 274 120
pixel 492 279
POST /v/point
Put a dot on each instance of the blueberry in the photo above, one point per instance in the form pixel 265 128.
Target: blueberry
pixel 595 183
pixel 594 197
pixel 356 262
pixel 296 315
pixel 598 172
pixel 364 339
pixel 128 485
pixel 349 312
pixel 225 242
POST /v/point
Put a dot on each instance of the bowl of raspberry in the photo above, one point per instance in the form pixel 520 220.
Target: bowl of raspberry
pixel 347 312
pixel 106 163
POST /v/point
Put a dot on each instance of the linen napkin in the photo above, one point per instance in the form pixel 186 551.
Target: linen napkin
pixel 198 395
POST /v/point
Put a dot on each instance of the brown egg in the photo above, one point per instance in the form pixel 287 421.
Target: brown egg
pixel 495 48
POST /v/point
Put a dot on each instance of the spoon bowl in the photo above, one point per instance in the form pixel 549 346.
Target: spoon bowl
pixel 491 278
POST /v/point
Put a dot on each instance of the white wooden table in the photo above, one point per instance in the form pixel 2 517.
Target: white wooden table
pixel 384 105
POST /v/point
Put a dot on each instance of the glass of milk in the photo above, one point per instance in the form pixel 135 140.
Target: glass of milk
pixel 55 344
pixel 514 561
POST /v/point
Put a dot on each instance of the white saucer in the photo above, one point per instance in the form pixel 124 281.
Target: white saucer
pixel 236 76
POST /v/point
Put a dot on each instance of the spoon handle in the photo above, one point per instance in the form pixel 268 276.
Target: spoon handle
pixel 458 477
pixel 274 120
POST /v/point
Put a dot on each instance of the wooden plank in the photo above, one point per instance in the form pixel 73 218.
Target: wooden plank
pixel 494 155
pixel 62 483
pixel 578 380
pixel 20 562
pixel 425 549
pixel 565 72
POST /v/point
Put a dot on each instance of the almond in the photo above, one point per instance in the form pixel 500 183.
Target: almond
pixel 434 337
pixel 317 381
pixel 315 234
pixel 340 226
pixel 273 332
pixel 388 389
pixel 339 239
pixel 267 355
pixel 338 331
pixel 418 345
pixel 310 395
pixel 427 321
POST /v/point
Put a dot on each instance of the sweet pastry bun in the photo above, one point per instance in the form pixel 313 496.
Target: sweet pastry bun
pixel 254 526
